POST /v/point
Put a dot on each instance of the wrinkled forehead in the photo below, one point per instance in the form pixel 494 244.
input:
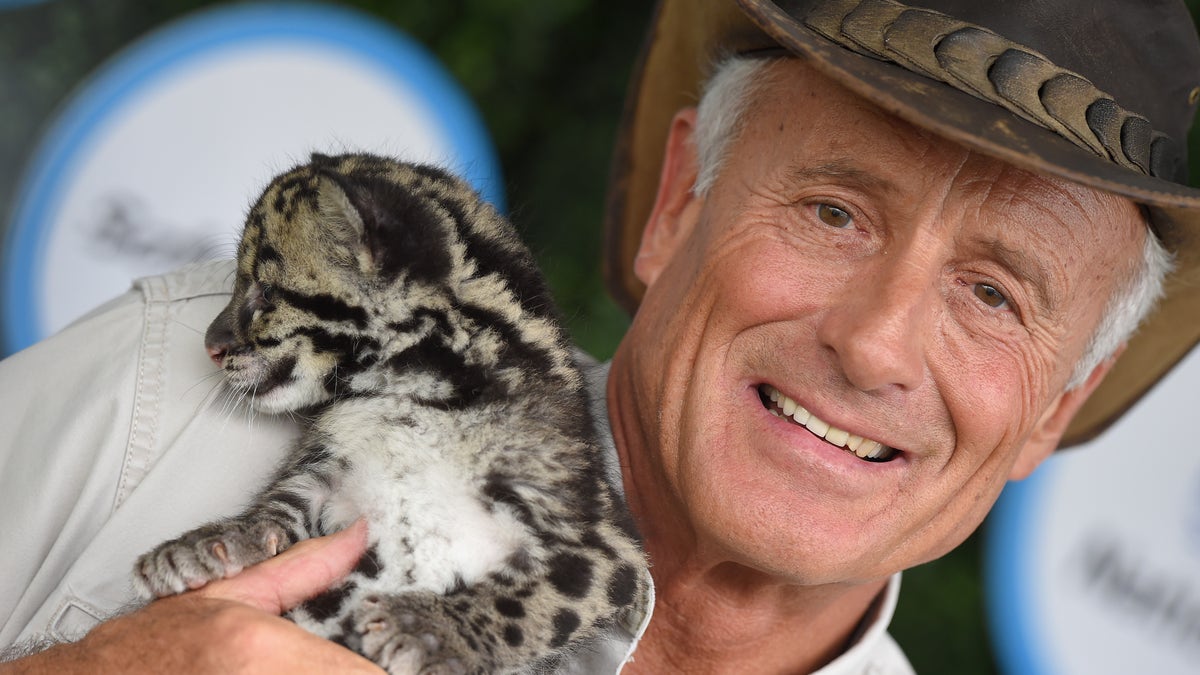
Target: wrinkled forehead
pixel 802 126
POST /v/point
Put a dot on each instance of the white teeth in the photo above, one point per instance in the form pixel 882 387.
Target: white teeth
pixel 837 437
pixel 818 427
pixel 868 449
pixel 863 447
pixel 802 416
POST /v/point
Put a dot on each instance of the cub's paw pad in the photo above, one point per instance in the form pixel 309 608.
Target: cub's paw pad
pixel 402 640
pixel 206 554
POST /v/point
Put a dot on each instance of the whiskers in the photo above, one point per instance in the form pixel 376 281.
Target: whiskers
pixel 214 247
pixel 225 401
pixel 225 404
pixel 206 379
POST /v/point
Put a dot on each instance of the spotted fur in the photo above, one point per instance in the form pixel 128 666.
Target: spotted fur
pixel 407 322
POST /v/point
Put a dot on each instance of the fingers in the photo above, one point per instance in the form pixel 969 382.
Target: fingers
pixel 193 634
pixel 258 642
pixel 280 583
pixel 226 627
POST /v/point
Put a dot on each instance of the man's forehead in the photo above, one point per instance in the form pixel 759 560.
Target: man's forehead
pixel 1019 218
pixel 843 171
pixel 970 182
pixel 1058 236
pixel 863 144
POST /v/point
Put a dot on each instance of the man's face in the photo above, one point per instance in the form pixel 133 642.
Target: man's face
pixel 894 285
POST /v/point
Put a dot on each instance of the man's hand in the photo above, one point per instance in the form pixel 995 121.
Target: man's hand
pixel 229 626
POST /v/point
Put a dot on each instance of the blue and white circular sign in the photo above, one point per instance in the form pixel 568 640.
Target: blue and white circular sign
pixel 153 163
pixel 1094 562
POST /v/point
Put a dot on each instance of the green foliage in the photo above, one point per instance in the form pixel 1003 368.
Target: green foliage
pixel 940 620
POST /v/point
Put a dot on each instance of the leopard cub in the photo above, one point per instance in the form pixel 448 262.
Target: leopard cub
pixel 405 320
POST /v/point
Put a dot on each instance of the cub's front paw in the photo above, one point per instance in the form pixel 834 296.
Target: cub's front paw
pixel 206 554
pixel 409 635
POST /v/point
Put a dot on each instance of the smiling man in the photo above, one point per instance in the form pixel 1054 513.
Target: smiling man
pixel 839 361
pixel 874 284
pixel 894 258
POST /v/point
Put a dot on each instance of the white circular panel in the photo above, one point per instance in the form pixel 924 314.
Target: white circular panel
pixel 155 161
pixel 1094 562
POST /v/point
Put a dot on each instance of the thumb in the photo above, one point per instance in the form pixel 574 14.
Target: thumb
pixel 299 573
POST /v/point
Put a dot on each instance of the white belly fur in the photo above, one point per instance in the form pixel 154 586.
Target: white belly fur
pixel 419 504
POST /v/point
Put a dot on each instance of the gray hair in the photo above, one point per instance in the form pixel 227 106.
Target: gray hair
pixel 719 119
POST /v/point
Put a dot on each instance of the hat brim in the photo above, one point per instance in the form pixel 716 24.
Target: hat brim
pixel 686 39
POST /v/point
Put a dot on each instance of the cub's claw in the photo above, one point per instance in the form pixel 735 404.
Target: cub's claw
pixel 403 640
pixel 207 554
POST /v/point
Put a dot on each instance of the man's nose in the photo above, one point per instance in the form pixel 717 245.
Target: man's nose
pixel 878 327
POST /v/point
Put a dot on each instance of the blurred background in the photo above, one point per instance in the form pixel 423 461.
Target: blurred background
pixel 548 78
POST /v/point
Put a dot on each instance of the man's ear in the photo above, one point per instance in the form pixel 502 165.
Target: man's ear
pixel 675 207
pixel 1053 425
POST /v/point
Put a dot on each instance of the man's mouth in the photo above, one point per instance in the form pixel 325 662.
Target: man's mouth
pixel 782 406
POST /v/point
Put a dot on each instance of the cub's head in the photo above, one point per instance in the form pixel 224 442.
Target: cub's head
pixel 313 296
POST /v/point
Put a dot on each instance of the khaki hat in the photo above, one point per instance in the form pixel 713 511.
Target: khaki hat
pixel 1099 92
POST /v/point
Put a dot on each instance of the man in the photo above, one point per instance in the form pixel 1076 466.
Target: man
pixel 842 252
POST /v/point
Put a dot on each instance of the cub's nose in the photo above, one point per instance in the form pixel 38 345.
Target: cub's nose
pixel 216 353
pixel 219 341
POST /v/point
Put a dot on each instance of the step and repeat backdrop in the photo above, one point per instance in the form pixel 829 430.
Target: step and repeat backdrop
pixel 1093 565
pixel 1094 561
pixel 154 159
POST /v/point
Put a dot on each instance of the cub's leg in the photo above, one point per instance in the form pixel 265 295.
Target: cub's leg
pixel 509 620
pixel 285 513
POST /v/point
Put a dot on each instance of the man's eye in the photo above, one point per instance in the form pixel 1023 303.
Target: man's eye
pixel 833 216
pixel 990 296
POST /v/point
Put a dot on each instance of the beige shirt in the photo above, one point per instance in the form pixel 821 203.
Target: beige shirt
pixel 116 436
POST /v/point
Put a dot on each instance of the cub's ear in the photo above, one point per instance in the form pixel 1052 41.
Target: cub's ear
pixel 387 226
pixel 343 223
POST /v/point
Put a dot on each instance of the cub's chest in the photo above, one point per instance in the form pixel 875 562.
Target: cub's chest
pixel 421 495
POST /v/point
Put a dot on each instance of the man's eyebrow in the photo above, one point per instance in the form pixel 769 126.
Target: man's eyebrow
pixel 1021 263
pixel 1028 267
pixel 842 172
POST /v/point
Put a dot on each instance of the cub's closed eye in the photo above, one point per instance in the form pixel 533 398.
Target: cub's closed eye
pixel 260 297
pixel 834 216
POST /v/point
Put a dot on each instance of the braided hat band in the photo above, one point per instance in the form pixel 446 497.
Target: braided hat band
pixel 977 61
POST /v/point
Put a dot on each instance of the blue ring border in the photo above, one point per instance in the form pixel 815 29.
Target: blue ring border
pixel 175 44
pixel 1010 569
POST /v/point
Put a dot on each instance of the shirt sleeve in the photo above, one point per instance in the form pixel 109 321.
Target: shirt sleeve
pixel 116 436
